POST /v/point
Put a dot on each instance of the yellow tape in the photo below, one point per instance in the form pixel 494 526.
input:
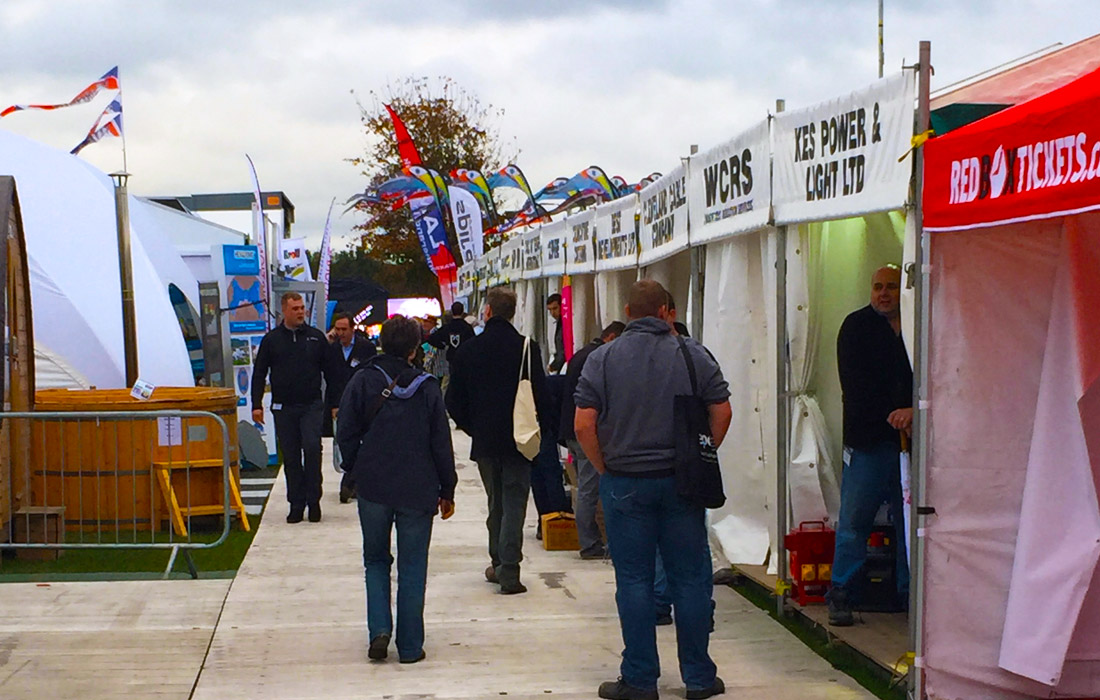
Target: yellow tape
pixel 782 587
pixel 916 142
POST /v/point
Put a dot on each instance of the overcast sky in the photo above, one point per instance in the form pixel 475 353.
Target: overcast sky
pixel 626 84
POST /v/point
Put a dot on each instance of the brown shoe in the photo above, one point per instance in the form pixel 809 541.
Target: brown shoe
pixel 491 574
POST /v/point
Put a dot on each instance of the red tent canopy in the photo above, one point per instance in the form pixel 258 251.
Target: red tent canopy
pixel 1034 160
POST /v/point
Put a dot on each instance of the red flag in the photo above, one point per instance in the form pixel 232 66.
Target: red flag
pixel 405 146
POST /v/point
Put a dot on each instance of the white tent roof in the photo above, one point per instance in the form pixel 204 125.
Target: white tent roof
pixel 69 222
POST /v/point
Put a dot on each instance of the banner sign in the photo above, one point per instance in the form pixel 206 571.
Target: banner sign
pixel 554 248
pixel 467 279
pixel 617 234
pixel 729 188
pixel 532 254
pixel 484 270
pixel 581 236
pixel 663 227
pixel 839 158
pixel 466 214
pixel 495 258
pixel 1038 159
pixel 511 259
pixel 293 260
pixel 244 289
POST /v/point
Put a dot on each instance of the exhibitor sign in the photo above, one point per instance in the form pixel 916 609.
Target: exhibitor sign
pixel 617 234
pixel 663 227
pixel 728 188
pixel 554 248
pixel 840 158
pixel 580 230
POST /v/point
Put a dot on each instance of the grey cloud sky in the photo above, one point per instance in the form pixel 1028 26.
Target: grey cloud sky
pixel 626 85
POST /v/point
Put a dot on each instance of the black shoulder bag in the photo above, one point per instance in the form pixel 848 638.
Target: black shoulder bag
pixel 698 478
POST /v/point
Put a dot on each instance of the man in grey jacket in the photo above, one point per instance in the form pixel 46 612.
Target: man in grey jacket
pixel 624 422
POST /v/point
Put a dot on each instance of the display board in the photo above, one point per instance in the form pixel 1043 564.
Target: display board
pixel 729 188
pixel 532 254
pixel 555 248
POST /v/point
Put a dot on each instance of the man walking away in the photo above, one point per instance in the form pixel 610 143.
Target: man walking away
pixel 296 354
pixel 481 397
pixel 450 335
pixel 625 423
pixel 877 383
pixel 588 479
pixel 354 349
pixel 553 305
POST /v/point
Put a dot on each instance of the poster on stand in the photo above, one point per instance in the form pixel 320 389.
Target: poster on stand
pixel 617 234
pixel 840 158
pixel 293 260
pixel 663 222
pixel 532 254
pixel 580 232
pixel 555 248
pixel 246 311
pixel 729 190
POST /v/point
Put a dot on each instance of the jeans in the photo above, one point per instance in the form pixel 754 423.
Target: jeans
pixel 660 589
pixel 507 482
pixel 298 432
pixel 872 475
pixel 414 534
pixel 547 486
pixel 588 496
pixel 643 516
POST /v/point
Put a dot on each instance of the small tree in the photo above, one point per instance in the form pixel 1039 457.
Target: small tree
pixel 451 129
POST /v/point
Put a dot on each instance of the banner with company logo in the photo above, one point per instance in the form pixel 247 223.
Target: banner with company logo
pixel 485 269
pixel 293 260
pixel 511 259
pixel 617 234
pixel 1038 159
pixel 839 158
pixel 467 279
pixel 466 215
pixel 663 226
pixel 580 232
pixel 555 248
pixel 729 187
pixel 532 254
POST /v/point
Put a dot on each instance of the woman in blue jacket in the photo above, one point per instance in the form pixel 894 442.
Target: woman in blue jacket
pixel 394 436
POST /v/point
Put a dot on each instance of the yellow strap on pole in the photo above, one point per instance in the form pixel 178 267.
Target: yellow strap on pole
pixel 916 142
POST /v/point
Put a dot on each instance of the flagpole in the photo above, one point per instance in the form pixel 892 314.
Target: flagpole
pixel 123 129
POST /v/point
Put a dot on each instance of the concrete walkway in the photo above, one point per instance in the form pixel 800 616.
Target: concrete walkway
pixel 292 626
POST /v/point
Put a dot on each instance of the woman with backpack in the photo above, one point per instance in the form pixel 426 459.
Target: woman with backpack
pixel 394 436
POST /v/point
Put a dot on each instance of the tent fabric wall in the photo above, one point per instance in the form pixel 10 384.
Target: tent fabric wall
pixel 674 274
pixel 585 323
pixel 993 289
pixel 612 293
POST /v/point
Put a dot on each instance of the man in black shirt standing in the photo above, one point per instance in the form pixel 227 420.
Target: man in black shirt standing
pixel 296 354
pixel 450 335
pixel 557 361
pixel 877 382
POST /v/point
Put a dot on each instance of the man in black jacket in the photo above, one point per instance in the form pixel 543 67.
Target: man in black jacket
pixel 588 479
pixel 296 354
pixel 877 382
pixel 354 349
pixel 452 333
pixel 481 396
pixel 553 305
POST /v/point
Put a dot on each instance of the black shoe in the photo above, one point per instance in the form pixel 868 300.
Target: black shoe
pixel 295 515
pixel 346 495
pixel 379 647
pixel 600 553
pixel 414 659
pixel 664 619
pixel 840 608
pixel 491 574
pixel 716 688
pixel 512 588
pixel 619 690
pixel 314 513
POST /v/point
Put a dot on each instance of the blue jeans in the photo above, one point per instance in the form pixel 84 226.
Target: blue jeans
pixel 643 516
pixel 588 496
pixel 872 475
pixel 414 534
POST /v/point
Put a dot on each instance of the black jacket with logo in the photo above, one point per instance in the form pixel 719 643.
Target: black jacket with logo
pixel 296 359
pixel 450 335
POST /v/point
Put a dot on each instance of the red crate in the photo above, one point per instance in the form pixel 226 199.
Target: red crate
pixel 810 546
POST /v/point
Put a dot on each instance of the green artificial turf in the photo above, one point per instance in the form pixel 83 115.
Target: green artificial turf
pixel 842 657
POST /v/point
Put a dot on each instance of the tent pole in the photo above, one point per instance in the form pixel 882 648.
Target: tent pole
pixel 919 449
pixel 782 410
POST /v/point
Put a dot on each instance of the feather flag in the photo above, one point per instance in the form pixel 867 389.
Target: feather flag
pixel 108 81
pixel 592 180
pixel 405 146
pixel 324 265
pixel 109 123
pixel 259 234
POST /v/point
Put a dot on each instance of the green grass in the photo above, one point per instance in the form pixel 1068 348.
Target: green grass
pixel 120 564
pixel 842 657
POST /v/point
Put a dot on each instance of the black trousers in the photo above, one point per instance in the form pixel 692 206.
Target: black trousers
pixel 298 432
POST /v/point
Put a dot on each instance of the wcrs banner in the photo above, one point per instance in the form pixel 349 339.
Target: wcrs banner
pixel 663 230
pixel 730 189
pixel 840 158
pixel 580 230
pixel 554 248
pixel 616 234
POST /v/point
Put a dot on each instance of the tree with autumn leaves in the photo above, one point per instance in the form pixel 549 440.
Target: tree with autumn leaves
pixel 452 129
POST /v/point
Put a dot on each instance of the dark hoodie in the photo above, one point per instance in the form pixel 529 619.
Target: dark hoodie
pixel 403 457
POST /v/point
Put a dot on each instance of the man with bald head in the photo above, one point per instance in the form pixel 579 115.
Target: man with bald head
pixel 625 423
pixel 877 382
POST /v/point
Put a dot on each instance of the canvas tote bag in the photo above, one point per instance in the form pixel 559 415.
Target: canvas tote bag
pixel 525 421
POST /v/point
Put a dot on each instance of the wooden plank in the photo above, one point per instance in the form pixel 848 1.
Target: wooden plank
pixel 293 624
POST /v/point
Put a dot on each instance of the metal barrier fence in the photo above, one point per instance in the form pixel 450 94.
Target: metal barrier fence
pixel 117 480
